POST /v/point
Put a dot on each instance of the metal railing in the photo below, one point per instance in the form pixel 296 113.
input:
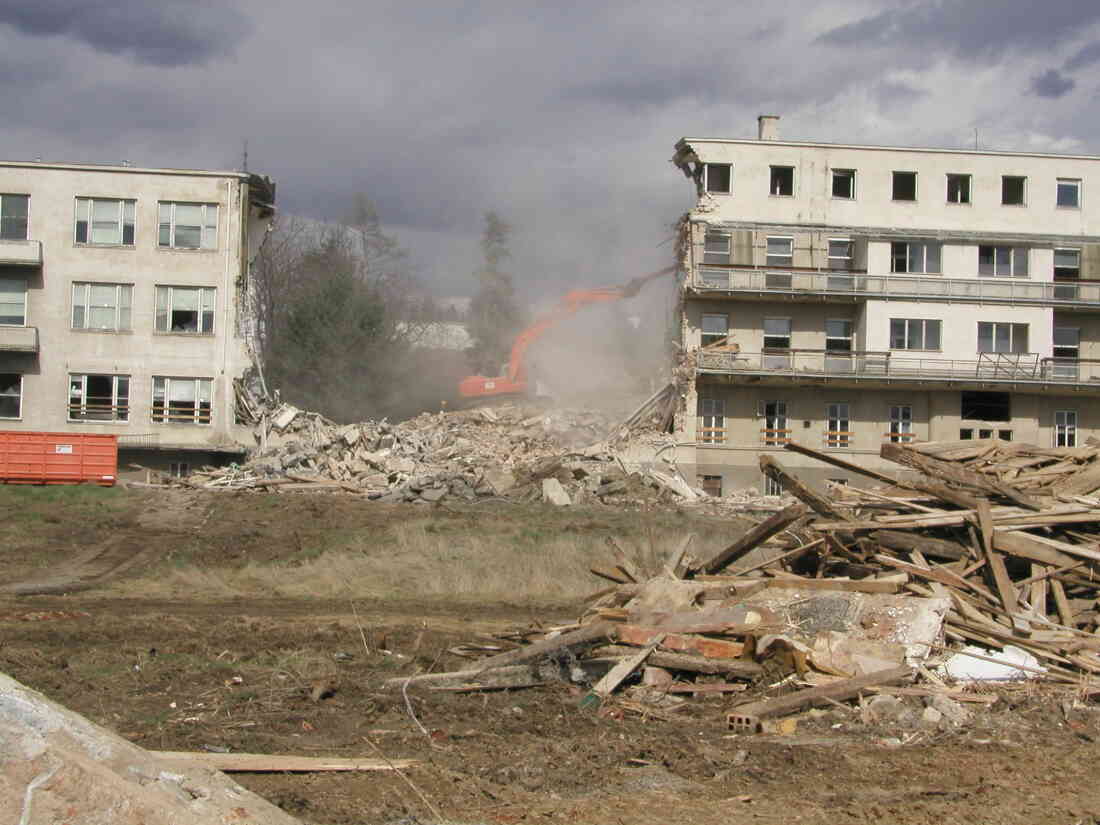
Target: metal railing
pixel 914 287
pixel 1022 367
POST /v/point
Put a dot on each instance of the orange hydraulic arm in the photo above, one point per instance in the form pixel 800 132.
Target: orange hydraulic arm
pixel 515 381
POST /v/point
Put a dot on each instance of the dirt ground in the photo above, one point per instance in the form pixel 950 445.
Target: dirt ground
pixel 302 676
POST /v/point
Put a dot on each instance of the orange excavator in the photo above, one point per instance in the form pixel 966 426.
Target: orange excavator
pixel 514 381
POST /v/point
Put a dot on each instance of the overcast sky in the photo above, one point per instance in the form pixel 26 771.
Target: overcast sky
pixel 559 115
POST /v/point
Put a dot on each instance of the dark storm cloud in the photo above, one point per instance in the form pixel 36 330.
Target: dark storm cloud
pixel 969 29
pixel 1052 83
pixel 161 34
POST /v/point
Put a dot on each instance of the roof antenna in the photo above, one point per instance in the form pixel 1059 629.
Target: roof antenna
pixel 245 155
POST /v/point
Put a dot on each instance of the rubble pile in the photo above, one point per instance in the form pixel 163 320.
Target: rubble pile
pixel 986 553
pixel 519 451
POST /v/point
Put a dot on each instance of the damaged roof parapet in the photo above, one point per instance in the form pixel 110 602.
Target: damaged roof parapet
pixel 261 194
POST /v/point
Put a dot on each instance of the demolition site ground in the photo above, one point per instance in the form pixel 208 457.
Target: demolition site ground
pixel 265 623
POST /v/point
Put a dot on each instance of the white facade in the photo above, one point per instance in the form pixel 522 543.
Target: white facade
pixel 122 293
pixel 852 295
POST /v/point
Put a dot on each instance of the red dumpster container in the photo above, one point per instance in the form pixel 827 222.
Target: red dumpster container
pixel 58 458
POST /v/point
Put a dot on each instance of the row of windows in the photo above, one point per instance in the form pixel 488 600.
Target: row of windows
pixel 108 307
pixel 838 433
pixel 107 398
pixel 112 222
pixel 957 187
pixel 905 334
pixel 914 257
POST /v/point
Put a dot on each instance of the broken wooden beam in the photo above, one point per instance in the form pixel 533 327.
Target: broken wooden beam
pixel 823 694
pixel 755 536
pixel 587 636
pixel 826 458
pixel 819 504
pixel 266 763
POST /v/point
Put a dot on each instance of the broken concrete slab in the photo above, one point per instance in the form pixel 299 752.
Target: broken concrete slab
pixel 500 481
pixel 57 766
pixel 553 492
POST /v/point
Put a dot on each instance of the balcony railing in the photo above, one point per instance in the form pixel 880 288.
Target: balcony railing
pixel 908 287
pixel 18 339
pixel 811 363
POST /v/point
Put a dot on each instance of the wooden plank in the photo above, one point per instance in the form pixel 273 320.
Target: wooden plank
pixel 947 471
pixel 611 574
pixel 1082 483
pixel 1061 547
pixel 265 763
pixel 823 694
pixel 675 566
pixel 614 677
pixel 819 504
pixel 755 536
pixel 623 561
pixel 1048 572
pixel 1065 614
pixel 1024 546
pixel 508 676
pixel 738 668
pixel 588 636
pixel 826 458
pixel 900 540
pixel 845 585
pixel 790 554
pixel 713 687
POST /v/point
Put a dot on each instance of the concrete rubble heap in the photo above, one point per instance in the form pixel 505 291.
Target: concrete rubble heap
pixel 984 552
pixel 58 767
pixel 518 451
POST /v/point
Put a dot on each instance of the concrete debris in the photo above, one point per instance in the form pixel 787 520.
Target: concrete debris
pixel 1006 665
pixel 519 451
pixel 56 766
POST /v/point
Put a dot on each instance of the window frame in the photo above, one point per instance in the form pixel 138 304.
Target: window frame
pixel 901 424
pixel 1064 432
pixel 119 412
pixel 766 336
pixel 771 485
pixel 964 194
pixel 1076 251
pixel 777 419
pixel 173 225
pixel 1075 183
pixel 4 197
pixel 924 337
pixel 894 179
pixel 842 174
pixel 836 414
pixel 22 281
pixel 729 179
pixel 1005 193
pixel 127 216
pixel 768 254
pixel 848 259
pixel 163 414
pixel 713 336
pixel 18 396
pixel 924 258
pixel 775 180
pixel 711 425
pixel 712 236
pixel 1013 335
pixel 1014 256
pixel 86 306
pixel 201 314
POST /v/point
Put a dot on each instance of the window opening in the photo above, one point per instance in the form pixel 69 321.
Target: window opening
pixel 185 309
pixel 99 397
pixel 915 333
pixel 1013 190
pixel 13 302
pixel 182 400
pixel 901 424
pixel 776 430
pixel 716 248
pixel 782 180
pixel 838 426
pixel 844 183
pixel 11 395
pixel 102 306
pixel 1065 428
pixel 715 329
pixel 996 336
pixel 915 257
pixel 712 421
pixel 985 406
pixel 1003 261
pixel 13 217
pixel 958 188
pixel 1069 193
pixel 905 186
pixel 718 178
pixel 101 221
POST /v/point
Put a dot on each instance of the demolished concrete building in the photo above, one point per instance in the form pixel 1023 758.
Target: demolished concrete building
pixel 846 296
pixel 124 304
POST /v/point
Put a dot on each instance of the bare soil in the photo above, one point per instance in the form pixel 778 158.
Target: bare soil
pixel 195 672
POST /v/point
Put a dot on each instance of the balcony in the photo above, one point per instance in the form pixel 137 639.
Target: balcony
pixel 1025 372
pixel 843 284
pixel 20 253
pixel 18 339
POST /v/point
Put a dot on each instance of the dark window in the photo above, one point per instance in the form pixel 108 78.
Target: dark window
pixel 711 485
pixel 716 248
pixel 718 178
pixel 997 336
pixel 13 217
pixel 1067 263
pixel 915 257
pixel 782 180
pixel 716 328
pixel 844 183
pixel 1069 193
pixel 11 395
pixel 905 186
pixel 1002 261
pixel 1013 190
pixel 914 333
pixel 985 406
pixel 958 188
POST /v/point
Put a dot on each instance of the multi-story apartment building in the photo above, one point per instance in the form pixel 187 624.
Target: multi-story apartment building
pixel 123 298
pixel 843 296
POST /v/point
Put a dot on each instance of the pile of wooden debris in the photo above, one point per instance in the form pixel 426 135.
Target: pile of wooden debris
pixel 990 545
